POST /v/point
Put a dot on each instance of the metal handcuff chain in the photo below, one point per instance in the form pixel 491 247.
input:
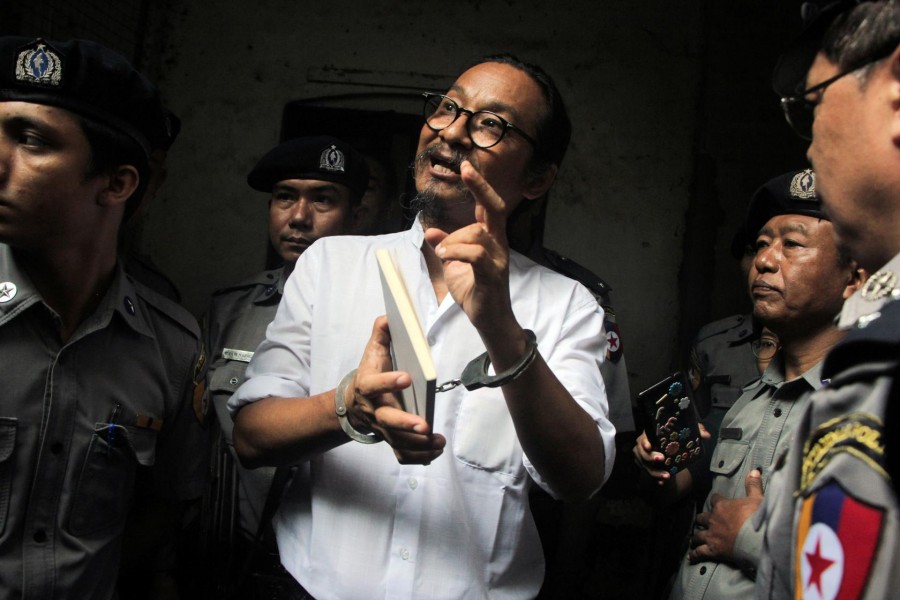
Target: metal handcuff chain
pixel 475 375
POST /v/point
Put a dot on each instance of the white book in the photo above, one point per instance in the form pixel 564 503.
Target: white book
pixel 409 348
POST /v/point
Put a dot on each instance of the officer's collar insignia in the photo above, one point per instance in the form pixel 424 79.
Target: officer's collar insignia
pixel 879 286
pixel 39 64
pixel 803 185
pixel 7 291
pixel 332 159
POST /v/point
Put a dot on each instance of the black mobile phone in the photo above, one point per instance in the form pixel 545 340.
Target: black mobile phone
pixel 670 421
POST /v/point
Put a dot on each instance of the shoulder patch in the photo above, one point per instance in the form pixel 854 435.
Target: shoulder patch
pixel 858 434
pixel 837 539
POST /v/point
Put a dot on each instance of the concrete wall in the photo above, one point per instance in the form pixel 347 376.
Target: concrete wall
pixel 675 126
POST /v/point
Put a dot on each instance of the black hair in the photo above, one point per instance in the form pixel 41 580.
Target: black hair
pixel 868 30
pixel 554 130
pixel 111 149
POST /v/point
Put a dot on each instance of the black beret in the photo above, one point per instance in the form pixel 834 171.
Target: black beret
pixel 322 158
pixel 88 79
pixel 793 193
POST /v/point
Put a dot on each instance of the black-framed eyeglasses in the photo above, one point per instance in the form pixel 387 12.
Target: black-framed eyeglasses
pixel 799 110
pixel 485 128
pixel 765 347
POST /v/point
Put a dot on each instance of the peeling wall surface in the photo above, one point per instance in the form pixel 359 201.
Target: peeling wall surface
pixel 674 127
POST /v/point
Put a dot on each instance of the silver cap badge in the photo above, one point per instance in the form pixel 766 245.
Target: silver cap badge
pixel 332 159
pixel 803 185
pixel 39 65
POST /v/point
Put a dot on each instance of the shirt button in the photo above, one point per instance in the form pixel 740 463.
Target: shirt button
pixel 233 381
pixel 777 412
pixel 721 463
pixel 703 570
pixel 412 483
pixel 404 554
pixel 129 305
pixel 56 448
pixel 40 536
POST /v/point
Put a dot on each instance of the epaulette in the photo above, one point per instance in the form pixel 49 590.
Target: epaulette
pixel 167 307
pixel 571 269
pixel 741 327
pixel 876 338
pixel 266 278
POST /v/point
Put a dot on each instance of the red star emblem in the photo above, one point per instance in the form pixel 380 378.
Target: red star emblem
pixel 613 340
pixel 818 564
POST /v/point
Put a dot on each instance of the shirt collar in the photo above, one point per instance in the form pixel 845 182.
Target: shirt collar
pixel 774 375
pixel 121 297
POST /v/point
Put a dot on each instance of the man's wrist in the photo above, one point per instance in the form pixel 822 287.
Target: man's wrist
pixel 340 409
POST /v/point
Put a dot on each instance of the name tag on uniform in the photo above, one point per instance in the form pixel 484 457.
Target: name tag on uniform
pixel 730 433
pixel 240 355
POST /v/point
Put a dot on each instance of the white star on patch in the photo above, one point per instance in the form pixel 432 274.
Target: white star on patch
pixel 7 291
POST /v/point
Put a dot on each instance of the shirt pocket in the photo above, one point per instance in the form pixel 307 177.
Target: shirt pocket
pixel 728 457
pixel 7 446
pixel 485 437
pixel 106 482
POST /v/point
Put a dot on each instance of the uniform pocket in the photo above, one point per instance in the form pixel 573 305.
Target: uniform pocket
pixel 728 456
pixel 7 446
pixel 106 482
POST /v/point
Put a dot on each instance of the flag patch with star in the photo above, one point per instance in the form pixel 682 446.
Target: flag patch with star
pixel 837 537
pixel 613 341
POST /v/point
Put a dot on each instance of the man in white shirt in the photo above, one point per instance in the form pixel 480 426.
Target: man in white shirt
pixel 436 513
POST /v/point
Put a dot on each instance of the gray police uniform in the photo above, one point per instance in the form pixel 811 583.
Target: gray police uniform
pixel 831 514
pixel 722 363
pixel 77 420
pixel 235 325
pixel 753 431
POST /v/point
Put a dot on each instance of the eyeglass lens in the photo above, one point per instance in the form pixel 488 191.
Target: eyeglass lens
pixel 484 127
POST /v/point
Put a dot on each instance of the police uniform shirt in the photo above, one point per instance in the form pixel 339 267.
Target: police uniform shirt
pixel 759 424
pixel 722 362
pixel 77 419
pixel 235 325
pixel 831 513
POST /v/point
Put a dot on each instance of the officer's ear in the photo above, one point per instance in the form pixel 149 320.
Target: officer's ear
pixel 894 95
pixel 857 278
pixel 538 184
pixel 122 183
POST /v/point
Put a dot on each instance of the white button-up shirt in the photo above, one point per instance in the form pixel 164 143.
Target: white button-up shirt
pixel 356 524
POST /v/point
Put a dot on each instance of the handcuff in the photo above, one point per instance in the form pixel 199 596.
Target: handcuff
pixel 474 376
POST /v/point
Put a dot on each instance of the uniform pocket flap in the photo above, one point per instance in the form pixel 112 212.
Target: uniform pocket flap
pixel 728 456
pixel 227 376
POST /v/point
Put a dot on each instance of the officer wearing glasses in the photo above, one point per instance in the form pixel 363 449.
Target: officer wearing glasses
pixel 435 511
pixel 832 511
pixel 797 283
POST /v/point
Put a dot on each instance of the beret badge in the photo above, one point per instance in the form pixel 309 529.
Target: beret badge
pixel 38 64
pixel 803 185
pixel 331 159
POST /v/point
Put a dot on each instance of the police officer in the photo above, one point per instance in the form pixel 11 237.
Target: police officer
pixel 98 370
pixel 832 510
pixel 314 185
pixel 798 282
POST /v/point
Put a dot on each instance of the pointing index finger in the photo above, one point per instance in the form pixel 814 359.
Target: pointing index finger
pixel 490 209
